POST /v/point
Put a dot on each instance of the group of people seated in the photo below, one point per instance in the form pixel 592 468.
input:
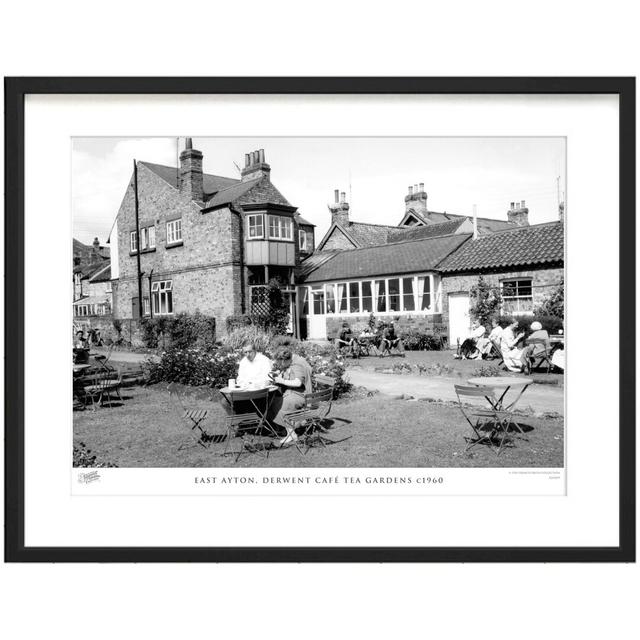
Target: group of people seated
pixel 384 338
pixel 510 341
pixel 288 371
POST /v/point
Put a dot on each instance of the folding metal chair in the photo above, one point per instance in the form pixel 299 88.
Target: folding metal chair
pixel 100 387
pixel 538 357
pixel 248 425
pixel 479 418
pixel 191 414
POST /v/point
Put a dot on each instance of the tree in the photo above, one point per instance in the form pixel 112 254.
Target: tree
pixel 485 302
pixel 553 305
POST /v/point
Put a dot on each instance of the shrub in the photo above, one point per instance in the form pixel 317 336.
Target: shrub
pixel 553 305
pixel 549 323
pixel 193 366
pixel 283 341
pixel 486 371
pixel 420 341
pixel 237 337
pixel 82 457
pixel 237 322
pixel 325 360
pixel 183 330
pixel 485 302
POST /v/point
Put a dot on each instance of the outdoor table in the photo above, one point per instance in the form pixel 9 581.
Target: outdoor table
pixel 503 382
pixel 79 368
pixel 238 393
pixel 557 342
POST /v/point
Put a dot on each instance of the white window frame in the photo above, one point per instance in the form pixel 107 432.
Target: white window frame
pixel 528 312
pixel 146 306
pixel 252 223
pixel 283 224
pixel 302 238
pixel 434 290
pixel 133 242
pixel 174 231
pixel 151 237
pixel 159 290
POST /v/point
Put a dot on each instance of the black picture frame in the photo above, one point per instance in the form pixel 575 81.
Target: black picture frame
pixel 15 91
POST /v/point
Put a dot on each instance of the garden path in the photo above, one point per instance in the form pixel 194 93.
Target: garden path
pixel 538 397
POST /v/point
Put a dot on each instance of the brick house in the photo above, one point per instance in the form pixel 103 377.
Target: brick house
pixel 91 280
pixel 206 242
pixel 419 273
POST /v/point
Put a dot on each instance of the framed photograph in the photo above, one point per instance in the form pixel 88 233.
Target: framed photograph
pixel 320 319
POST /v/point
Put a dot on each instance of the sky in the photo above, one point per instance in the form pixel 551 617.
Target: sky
pixel 375 173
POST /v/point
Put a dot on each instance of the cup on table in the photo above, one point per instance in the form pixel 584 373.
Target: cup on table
pixel 232 383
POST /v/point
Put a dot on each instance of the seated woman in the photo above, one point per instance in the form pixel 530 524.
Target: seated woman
pixel 346 339
pixel 291 380
pixel 515 358
pixel 80 349
pixel 538 333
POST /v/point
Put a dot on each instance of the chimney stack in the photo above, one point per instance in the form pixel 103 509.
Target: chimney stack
pixel 339 209
pixel 561 211
pixel 519 214
pixel 416 200
pixel 255 166
pixel 191 181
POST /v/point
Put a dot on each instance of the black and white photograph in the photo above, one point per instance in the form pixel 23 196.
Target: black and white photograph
pixel 319 302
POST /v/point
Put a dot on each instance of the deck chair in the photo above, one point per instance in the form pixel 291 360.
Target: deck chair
pixel 481 417
pixel 542 356
pixel 496 353
pixel 188 406
pixel 100 387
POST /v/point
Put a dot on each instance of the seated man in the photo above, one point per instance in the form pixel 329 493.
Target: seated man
pixel 80 349
pixel 389 339
pixel 254 368
pixel 345 338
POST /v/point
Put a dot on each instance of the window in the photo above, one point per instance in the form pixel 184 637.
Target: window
pixel 424 293
pixel 318 300
pixel 366 297
pixel 162 297
pixel 381 296
pixel 147 237
pixel 146 306
pixel 302 235
pixel 305 301
pixel 408 300
pixel 174 231
pixel 394 294
pixel 354 297
pixel 256 225
pixel 331 298
pixel 517 297
pixel 280 228
pixel 343 298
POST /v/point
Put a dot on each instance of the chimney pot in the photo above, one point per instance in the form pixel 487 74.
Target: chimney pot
pixel 522 205
pixel 343 197
pixel 415 188
pixel 261 154
pixel 421 187
pixel 410 190
pixel 246 159
pixel 513 205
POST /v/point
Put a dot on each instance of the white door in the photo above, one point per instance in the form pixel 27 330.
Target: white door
pixel 459 320
pixel 317 322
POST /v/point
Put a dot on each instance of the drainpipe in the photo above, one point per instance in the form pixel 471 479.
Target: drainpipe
pixel 242 274
pixel 150 300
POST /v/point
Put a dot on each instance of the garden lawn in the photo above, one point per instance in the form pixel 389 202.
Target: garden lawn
pixel 146 431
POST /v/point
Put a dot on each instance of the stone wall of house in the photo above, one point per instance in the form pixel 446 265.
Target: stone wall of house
pixel 204 270
pixel 417 322
pixel 544 280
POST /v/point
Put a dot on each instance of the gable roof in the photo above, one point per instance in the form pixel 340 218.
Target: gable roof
pixel 211 183
pixel 314 261
pixel 485 225
pixel 386 259
pixel 102 275
pixel 531 245
pixel 361 234
pixel 231 193
pixel 403 234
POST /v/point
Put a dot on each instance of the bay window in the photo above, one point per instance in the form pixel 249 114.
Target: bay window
pixel 280 228
pixel 255 225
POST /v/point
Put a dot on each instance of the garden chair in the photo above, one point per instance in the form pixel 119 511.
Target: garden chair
pixel 100 387
pixel 103 359
pixel 191 413
pixel 481 417
pixel 496 353
pixel 541 355
pixel 249 424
